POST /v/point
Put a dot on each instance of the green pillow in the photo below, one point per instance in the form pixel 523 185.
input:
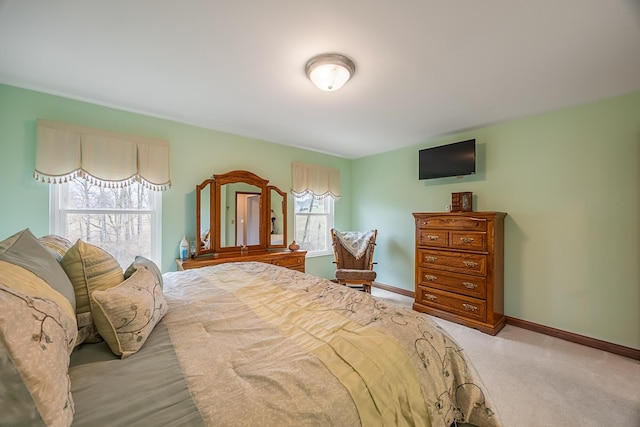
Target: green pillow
pixel 57 245
pixel 89 268
pixel 126 314
pixel 25 250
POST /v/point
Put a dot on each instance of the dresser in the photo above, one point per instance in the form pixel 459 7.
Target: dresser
pixel 293 260
pixel 459 268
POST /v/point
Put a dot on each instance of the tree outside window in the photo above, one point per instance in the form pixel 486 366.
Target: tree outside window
pixel 313 221
pixel 124 221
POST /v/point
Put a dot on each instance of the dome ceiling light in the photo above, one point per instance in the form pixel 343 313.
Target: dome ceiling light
pixel 330 71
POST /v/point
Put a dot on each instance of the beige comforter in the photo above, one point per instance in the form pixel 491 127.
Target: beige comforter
pixel 261 345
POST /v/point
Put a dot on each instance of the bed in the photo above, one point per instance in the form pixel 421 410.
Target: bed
pixel 248 344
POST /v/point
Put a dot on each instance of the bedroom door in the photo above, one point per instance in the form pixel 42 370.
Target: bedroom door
pixel 247 219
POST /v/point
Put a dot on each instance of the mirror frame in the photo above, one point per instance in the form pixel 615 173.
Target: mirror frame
pixel 212 215
pixel 215 184
pixel 271 188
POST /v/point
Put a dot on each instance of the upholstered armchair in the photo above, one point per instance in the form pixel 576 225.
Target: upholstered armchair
pixel 353 253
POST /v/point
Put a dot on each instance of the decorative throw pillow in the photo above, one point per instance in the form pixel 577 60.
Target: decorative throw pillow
pixel 37 334
pixel 126 314
pixel 23 249
pixel 141 261
pixel 90 268
pixel 57 245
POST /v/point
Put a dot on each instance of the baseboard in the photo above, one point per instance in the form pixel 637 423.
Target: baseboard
pixel 405 292
pixel 620 350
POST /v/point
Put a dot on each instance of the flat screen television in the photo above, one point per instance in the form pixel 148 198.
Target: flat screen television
pixel 455 159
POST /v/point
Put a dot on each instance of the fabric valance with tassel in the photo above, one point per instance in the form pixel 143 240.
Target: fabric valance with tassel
pixel 108 159
pixel 316 181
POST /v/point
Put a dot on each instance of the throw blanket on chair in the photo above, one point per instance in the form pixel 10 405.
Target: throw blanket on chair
pixel 355 242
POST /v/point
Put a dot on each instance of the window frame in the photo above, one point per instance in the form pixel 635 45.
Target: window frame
pixel 329 214
pixel 58 211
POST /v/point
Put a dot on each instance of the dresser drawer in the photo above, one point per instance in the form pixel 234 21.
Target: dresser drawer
pixel 292 262
pixel 471 308
pixel 458 262
pixel 471 240
pixel 431 237
pixel 473 286
pixel 453 223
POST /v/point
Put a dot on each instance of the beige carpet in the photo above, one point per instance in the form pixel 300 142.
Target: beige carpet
pixel 540 381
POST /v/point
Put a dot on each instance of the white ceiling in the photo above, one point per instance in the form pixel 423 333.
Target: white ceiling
pixel 425 68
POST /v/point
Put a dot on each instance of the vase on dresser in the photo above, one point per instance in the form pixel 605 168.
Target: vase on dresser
pixel 294 246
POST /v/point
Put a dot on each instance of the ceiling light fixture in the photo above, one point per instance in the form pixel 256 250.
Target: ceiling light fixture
pixel 330 71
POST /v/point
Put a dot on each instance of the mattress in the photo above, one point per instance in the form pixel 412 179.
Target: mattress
pixel 257 344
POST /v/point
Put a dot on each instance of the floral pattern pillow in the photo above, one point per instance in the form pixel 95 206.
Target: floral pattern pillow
pixel 38 332
pixel 126 314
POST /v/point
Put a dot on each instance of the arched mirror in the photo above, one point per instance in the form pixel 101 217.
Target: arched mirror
pixel 237 210
pixel 241 208
pixel 240 217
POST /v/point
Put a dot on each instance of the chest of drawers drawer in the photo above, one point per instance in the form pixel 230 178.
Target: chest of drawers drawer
pixel 470 240
pixel 472 308
pixel 473 286
pixel 448 222
pixel 457 262
pixel 433 237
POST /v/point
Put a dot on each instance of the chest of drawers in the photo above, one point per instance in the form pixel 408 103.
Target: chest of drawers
pixel 459 268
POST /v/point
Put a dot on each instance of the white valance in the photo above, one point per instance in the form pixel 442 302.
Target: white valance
pixel 109 159
pixel 317 181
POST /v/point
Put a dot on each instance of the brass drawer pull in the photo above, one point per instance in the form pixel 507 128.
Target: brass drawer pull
pixel 467 240
pixel 430 277
pixel 470 263
pixel 431 258
pixel 432 237
pixel 469 285
pixel 470 307
pixel 430 297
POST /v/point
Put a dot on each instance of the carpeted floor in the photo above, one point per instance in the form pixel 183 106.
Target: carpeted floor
pixel 540 381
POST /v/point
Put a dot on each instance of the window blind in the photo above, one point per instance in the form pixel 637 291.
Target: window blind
pixel 108 159
pixel 315 180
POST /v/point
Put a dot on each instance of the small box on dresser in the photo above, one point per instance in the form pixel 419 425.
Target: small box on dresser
pixel 459 267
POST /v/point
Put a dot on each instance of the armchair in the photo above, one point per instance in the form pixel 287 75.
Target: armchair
pixel 353 253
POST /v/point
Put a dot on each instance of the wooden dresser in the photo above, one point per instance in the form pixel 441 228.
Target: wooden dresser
pixel 460 268
pixel 293 260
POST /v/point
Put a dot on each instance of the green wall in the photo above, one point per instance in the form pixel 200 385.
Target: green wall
pixel 570 183
pixel 568 179
pixel 196 154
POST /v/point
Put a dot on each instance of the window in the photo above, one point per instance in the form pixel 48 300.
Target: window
pixel 313 220
pixel 123 221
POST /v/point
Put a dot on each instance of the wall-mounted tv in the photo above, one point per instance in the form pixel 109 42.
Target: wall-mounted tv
pixel 455 159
